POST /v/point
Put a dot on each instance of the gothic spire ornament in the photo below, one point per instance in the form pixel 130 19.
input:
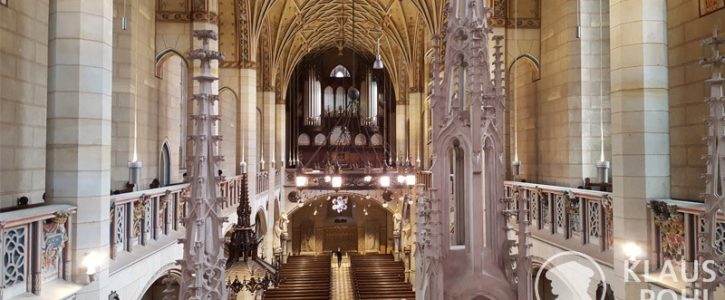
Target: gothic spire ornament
pixel 715 178
pixel 467 110
pixel 202 269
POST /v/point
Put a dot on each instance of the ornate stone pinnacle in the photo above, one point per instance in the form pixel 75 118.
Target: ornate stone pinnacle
pixel 202 269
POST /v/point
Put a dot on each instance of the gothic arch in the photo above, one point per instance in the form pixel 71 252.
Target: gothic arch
pixel 229 90
pixel 260 221
pixel 531 61
pixel 163 56
pixel 164 164
pixel 168 269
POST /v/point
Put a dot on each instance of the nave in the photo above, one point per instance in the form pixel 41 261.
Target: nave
pixel 320 277
pixel 473 142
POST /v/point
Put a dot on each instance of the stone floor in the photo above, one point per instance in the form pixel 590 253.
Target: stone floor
pixel 341 282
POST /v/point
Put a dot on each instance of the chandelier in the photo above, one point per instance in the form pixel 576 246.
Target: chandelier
pixel 339 204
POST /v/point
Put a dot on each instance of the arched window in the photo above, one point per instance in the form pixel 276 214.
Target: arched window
pixel 339 71
pixel 457 195
pixel 165 165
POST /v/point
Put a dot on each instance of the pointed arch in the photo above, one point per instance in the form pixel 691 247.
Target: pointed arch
pixel 163 56
pixel 164 165
pixel 531 61
pixel 339 71
pixel 172 70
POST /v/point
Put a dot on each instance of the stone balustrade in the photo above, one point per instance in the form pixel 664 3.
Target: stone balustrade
pixel 34 248
pixel 572 219
pixel 277 177
pixel 677 232
pixel 262 181
pixel 156 215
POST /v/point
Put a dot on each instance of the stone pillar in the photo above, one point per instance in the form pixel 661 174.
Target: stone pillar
pixel 280 133
pixel 415 126
pixel 268 144
pixel 79 129
pixel 640 127
pixel 248 119
pixel 401 139
pixel 269 136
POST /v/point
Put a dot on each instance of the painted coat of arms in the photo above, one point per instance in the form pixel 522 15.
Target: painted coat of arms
pixel 709 6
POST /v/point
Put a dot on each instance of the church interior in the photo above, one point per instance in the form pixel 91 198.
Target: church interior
pixel 362 149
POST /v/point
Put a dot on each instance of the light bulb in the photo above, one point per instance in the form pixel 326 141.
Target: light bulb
pixel 385 204
pixel 632 251
pixel 301 181
pixel 314 213
pixel 300 203
pixel 368 178
pixel 328 178
pixel 410 180
pixel 385 181
pixel 336 182
pixel 401 179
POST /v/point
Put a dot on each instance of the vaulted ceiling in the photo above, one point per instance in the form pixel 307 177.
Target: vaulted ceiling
pixel 292 29
pixel 274 35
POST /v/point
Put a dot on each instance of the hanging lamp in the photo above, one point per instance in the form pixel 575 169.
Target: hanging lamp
pixel 378 64
pixel 353 93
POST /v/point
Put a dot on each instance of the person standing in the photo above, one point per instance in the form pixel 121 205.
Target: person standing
pixel 338 253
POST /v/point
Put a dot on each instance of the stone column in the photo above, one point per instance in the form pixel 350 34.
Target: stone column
pixel 269 136
pixel 401 139
pixel 268 141
pixel 640 127
pixel 248 120
pixel 415 126
pixel 280 133
pixel 79 129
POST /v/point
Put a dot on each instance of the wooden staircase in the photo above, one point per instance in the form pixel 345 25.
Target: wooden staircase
pixel 303 277
pixel 379 276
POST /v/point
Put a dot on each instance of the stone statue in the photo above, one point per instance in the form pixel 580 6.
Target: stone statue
pixel 397 219
pixel 277 230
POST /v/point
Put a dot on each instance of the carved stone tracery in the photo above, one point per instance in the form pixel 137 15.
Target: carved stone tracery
pixel 713 235
pixel 474 115
pixel 202 267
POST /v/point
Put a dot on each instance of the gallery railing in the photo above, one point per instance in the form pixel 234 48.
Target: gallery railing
pixel 262 181
pixel 678 231
pixel 573 219
pixel 35 248
pixel 143 217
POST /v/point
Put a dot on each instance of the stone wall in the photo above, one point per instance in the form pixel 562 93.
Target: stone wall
pixel 135 107
pixel 559 91
pixel 559 130
pixel 172 99
pixel 23 100
pixel 152 80
pixel 523 101
pixel 687 90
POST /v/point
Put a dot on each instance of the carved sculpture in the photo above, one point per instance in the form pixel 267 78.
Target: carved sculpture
pixel 53 243
pixel 671 225
pixel 467 105
pixel 202 269
pixel 397 221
